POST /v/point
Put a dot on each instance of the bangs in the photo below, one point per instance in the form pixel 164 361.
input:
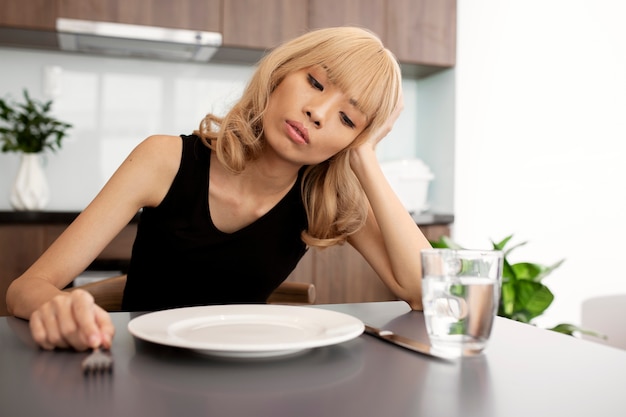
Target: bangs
pixel 356 62
pixel 371 79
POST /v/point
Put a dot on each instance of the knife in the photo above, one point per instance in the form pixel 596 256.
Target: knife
pixel 405 342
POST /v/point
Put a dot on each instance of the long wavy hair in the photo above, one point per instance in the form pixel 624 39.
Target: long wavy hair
pixel 357 63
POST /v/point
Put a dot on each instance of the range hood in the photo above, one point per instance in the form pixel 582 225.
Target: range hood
pixel 137 41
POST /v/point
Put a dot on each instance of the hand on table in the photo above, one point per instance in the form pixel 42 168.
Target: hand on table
pixel 72 320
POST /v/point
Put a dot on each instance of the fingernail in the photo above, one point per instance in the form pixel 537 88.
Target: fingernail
pixel 94 340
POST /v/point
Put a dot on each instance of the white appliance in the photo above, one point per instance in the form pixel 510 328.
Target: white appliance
pixel 136 41
pixel 410 179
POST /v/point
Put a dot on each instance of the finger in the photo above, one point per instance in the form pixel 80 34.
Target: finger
pixel 48 317
pixel 107 330
pixel 69 324
pixel 83 314
pixel 38 331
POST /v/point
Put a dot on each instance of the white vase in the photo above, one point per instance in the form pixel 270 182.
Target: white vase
pixel 30 189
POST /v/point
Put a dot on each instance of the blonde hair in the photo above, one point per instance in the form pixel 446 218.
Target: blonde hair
pixel 357 63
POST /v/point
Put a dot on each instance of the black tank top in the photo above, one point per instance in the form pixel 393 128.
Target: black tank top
pixel 180 258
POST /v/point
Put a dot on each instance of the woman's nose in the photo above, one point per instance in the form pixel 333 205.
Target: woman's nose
pixel 314 119
pixel 320 107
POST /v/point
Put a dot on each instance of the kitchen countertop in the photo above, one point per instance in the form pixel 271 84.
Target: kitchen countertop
pixel 64 217
pixel 42 217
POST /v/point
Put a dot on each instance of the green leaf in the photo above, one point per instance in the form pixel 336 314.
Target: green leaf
pixel 507 300
pixel 523 297
pixel 502 244
pixel 439 244
pixel 548 270
pixel 445 242
pixel 508 273
pixel 27 127
pixel 458 327
pixel 572 330
pixel 521 316
pixel 527 271
pixel 451 243
pixel 532 297
pixel 458 290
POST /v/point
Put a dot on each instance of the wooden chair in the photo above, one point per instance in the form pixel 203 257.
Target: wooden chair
pixel 108 293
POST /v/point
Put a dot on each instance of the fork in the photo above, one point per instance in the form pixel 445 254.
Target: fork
pixel 97 362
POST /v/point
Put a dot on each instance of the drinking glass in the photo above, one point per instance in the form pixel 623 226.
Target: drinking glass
pixel 460 294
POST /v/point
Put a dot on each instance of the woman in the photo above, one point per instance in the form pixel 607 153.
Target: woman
pixel 235 206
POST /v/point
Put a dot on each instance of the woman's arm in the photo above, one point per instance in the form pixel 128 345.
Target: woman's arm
pixel 61 319
pixel 390 240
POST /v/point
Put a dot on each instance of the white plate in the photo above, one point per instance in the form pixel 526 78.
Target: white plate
pixel 246 330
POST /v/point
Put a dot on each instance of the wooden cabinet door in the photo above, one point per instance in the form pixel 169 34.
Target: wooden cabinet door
pixel 422 31
pixel 341 275
pixel 28 14
pixel 263 24
pixel 180 14
pixel 20 246
pixel 416 31
pixel 369 14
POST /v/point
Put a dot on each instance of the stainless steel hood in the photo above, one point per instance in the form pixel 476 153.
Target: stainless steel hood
pixel 118 39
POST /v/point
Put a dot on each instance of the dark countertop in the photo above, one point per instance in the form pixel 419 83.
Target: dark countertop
pixel 428 218
pixel 65 217
pixel 525 371
pixel 42 217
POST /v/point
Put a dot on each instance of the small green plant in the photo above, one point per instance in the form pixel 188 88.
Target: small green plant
pixel 27 127
pixel 523 297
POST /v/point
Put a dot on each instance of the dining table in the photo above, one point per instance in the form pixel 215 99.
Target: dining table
pixel 524 371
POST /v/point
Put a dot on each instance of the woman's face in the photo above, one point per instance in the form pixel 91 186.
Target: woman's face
pixel 308 119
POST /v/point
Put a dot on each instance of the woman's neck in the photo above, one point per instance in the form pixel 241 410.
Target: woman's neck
pixel 237 200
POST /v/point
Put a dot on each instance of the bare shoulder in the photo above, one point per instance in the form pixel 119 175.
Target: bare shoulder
pixel 161 149
pixel 148 171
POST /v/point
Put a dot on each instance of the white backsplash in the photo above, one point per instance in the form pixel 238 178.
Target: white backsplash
pixel 114 103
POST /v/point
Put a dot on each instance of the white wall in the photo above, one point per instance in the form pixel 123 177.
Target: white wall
pixel 436 135
pixel 541 139
pixel 115 103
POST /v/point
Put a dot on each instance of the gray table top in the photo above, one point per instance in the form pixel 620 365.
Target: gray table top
pixel 524 371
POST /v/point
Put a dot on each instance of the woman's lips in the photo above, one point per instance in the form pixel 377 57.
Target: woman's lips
pixel 297 132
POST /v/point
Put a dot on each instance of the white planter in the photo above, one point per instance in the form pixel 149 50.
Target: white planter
pixel 30 189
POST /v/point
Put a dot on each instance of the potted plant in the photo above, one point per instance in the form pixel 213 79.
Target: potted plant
pixel 28 128
pixel 523 296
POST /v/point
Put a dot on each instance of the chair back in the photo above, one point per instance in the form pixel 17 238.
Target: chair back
pixel 108 293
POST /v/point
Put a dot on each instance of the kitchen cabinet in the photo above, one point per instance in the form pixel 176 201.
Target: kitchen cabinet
pixel 22 243
pixel 180 14
pixel 417 31
pixel 369 14
pixel 339 273
pixel 263 24
pixel 422 31
pixel 32 23
pixel 29 14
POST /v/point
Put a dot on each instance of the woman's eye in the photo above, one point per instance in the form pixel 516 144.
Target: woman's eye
pixel 346 121
pixel 314 83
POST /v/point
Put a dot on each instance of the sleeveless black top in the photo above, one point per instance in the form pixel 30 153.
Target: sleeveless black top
pixel 180 258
